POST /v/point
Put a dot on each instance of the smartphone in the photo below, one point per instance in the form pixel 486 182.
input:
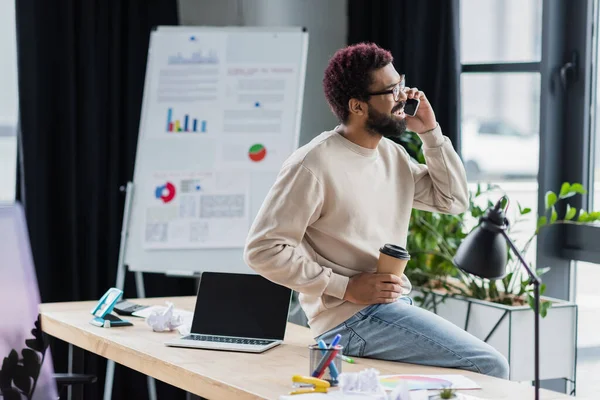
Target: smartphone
pixel 411 106
pixel 125 307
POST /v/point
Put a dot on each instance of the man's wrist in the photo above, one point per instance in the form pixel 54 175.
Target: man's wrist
pixel 429 128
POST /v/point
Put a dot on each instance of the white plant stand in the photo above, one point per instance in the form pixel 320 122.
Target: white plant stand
pixel 510 330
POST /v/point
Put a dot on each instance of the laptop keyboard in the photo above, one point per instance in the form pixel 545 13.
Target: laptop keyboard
pixel 220 339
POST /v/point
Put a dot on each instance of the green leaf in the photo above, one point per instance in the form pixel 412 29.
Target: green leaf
pixel 506 280
pixel 578 188
pixel 554 216
pixel 550 199
pixel 526 210
pixel 594 216
pixel 570 213
pixel 542 271
pixel 541 222
pixel 544 308
pixel 565 190
pixel 542 289
pixel 531 301
pixel 476 212
pixel 583 216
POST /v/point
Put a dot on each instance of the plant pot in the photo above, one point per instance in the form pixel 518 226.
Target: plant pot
pixel 510 330
pixel 455 396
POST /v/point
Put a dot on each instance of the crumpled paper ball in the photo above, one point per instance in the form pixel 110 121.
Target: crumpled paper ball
pixel 164 320
pixel 365 382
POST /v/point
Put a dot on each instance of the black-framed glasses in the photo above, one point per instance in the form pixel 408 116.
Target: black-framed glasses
pixel 395 91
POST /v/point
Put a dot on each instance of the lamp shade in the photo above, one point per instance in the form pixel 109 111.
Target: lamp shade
pixel 484 252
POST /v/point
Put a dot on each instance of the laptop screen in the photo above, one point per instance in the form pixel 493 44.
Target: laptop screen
pixel 241 305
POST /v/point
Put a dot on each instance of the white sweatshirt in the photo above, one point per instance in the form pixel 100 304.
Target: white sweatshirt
pixel 335 203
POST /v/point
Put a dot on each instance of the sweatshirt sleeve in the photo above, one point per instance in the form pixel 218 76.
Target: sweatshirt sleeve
pixel 293 203
pixel 441 183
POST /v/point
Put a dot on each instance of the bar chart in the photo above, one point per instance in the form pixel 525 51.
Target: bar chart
pixel 186 124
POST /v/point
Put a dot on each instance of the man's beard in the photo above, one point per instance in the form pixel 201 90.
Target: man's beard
pixel 385 125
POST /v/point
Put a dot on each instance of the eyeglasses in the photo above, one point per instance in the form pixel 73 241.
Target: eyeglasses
pixel 395 91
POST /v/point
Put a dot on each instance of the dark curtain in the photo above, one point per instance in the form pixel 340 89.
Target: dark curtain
pixel 423 36
pixel 81 75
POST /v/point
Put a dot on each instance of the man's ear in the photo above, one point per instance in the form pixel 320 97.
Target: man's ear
pixel 357 107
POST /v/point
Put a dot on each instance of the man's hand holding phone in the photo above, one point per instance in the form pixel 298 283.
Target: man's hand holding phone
pixel 420 117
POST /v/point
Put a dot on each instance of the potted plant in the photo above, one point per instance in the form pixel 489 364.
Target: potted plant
pixel 498 312
pixel 446 393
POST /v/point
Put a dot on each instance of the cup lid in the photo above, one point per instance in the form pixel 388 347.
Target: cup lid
pixel 393 250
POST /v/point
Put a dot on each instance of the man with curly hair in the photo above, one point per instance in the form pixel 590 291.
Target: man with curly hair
pixel 339 198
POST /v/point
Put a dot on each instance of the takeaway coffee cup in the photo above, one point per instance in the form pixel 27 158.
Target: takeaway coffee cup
pixel 392 259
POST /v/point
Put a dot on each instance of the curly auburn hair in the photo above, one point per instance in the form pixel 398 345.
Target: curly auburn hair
pixel 348 75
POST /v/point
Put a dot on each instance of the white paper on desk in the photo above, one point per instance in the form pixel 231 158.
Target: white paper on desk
pixel 462 396
pixel 333 395
pixel 339 395
pixel 146 312
pixel 428 382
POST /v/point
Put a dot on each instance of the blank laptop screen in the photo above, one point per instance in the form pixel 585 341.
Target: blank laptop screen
pixel 241 305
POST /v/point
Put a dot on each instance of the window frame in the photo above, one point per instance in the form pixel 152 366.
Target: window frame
pixel 565 122
pixel 580 242
pixel 565 130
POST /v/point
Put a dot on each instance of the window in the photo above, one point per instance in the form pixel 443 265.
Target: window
pixel 500 31
pixel 500 91
pixel 526 61
pixel 8 102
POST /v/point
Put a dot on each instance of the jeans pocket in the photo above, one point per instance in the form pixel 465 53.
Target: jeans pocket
pixel 354 345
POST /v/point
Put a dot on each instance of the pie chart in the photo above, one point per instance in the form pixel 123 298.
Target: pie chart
pixel 257 152
pixel 165 192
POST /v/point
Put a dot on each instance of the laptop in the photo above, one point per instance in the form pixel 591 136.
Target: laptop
pixel 19 302
pixel 237 312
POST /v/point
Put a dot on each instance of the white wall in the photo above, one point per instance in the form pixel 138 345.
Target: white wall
pixel 8 64
pixel 326 22
pixel 8 101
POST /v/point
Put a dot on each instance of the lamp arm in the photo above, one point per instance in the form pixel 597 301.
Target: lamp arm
pixel 535 280
pixel 532 275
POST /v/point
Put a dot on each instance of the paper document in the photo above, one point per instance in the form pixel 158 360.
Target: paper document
pixel 145 313
pixel 189 210
pixel 428 382
pixel 339 395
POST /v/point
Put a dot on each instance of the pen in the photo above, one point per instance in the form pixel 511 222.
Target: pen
pixel 323 364
pixel 345 358
pixel 335 341
pixel 320 368
pixel 332 368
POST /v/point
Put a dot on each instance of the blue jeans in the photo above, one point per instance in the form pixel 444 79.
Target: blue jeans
pixel 402 332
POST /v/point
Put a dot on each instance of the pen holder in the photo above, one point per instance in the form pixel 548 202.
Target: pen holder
pixel 325 363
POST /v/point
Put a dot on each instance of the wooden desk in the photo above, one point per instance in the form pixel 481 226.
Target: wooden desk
pixel 226 375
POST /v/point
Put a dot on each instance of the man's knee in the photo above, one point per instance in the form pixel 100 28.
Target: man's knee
pixel 494 364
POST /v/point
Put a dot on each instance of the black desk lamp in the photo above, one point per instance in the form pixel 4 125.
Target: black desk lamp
pixel 483 253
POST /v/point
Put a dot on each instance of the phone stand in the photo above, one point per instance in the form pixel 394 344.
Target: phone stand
pixel 102 310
